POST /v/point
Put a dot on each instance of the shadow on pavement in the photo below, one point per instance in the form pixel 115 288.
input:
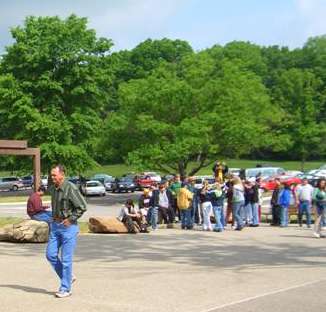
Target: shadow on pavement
pixel 236 252
pixel 28 289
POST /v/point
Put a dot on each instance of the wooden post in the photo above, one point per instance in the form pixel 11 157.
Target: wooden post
pixel 37 169
pixel 13 147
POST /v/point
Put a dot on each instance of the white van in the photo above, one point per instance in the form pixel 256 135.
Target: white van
pixel 264 172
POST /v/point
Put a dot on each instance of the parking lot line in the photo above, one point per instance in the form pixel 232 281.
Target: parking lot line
pixel 263 295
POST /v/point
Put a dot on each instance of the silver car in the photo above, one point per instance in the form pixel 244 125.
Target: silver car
pixel 10 184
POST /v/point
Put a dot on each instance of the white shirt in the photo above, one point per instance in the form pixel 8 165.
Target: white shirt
pixel 163 200
pixel 304 192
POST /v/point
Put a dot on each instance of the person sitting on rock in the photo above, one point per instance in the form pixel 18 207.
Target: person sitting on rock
pixel 128 214
pixel 35 208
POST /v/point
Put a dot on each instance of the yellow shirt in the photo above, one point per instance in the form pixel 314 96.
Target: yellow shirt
pixel 184 198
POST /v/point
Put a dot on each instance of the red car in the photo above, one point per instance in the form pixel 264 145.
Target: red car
pixel 269 184
pixel 144 182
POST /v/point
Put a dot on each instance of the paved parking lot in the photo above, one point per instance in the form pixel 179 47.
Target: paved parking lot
pixel 258 269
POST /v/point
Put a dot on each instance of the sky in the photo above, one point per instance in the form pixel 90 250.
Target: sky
pixel 202 23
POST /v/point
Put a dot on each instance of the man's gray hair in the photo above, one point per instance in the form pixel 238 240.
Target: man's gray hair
pixel 60 167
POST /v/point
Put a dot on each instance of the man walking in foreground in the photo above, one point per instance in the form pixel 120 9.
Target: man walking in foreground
pixel 68 205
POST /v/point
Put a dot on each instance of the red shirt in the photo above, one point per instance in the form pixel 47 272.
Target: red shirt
pixel 34 204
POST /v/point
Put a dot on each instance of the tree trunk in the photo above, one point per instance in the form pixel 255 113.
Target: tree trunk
pixel 182 170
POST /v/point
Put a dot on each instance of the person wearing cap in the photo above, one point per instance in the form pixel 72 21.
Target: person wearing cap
pixel 35 208
pixel 304 196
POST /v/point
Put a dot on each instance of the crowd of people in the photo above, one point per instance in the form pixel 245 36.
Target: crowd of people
pixel 229 200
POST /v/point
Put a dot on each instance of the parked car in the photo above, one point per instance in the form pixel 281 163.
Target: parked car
pixel 44 181
pixel 108 183
pixel 269 184
pixel 75 180
pixel 123 184
pixel 293 173
pixel 153 176
pixel 142 182
pixel 28 181
pixel 264 172
pixel 234 171
pixel 93 188
pixel 10 184
pixel 199 180
pixel 100 177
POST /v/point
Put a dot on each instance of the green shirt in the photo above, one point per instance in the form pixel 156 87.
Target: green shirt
pixel 175 188
pixel 67 202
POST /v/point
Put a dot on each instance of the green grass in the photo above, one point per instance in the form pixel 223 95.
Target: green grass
pixel 19 199
pixel 9 220
pixel 83 227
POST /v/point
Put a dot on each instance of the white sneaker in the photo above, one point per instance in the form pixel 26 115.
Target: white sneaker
pixel 63 294
pixel 317 235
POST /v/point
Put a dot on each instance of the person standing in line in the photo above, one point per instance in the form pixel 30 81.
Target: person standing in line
pixel 162 201
pixel 35 208
pixel 251 202
pixel 207 207
pixel 174 188
pixel 229 195
pixel 184 199
pixel 276 209
pixel 238 202
pixel 68 205
pixel 195 210
pixel 319 198
pixel 304 194
pixel 284 201
pixel 217 200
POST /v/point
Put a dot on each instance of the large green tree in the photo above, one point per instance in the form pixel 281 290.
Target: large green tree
pixel 193 111
pixel 53 87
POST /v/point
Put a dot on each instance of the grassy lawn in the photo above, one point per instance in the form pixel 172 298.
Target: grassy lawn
pixel 9 220
pixel 18 199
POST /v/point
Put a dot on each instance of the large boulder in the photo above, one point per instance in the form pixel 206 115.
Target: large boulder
pixel 106 225
pixel 27 231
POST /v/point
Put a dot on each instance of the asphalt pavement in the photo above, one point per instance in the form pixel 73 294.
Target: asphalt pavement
pixel 258 269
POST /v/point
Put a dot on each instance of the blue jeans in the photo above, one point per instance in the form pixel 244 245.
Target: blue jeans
pixel 45 216
pixel 218 213
pixel 64 238
pixel 186 220
pixel 284 216
pixel 194 208
pixel 152 217
pixel 237 208
pixel 252 213
pixel 305 207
